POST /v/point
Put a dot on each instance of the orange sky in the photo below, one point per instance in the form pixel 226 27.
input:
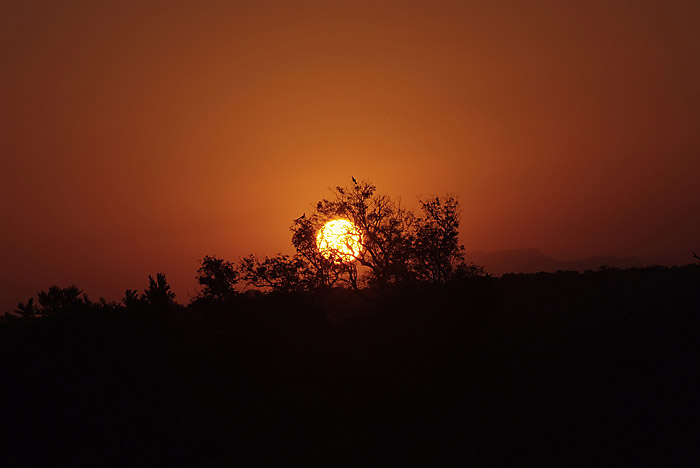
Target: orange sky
pixel 138 137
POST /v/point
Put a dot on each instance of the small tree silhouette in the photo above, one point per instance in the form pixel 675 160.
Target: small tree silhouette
pixel 218 279
pixel 158 293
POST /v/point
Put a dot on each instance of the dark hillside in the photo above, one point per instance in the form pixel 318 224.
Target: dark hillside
pixel 563 369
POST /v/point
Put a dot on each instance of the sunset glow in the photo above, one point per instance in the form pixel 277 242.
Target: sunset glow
pixel 167 134
pixel 339 239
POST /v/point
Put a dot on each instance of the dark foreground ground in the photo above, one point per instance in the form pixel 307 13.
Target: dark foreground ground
pixel 596 369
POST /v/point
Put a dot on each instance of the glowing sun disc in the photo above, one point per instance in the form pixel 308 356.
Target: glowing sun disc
pixel 339 240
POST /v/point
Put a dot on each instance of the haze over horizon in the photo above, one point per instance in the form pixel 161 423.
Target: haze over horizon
pixel 137 137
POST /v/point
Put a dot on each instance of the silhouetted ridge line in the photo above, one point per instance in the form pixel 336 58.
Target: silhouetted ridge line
pixel 533 260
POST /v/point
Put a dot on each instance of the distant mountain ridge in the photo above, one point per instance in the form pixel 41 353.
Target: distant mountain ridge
pixel 532 261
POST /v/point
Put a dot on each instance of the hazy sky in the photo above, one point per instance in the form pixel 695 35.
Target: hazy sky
pixel 137 137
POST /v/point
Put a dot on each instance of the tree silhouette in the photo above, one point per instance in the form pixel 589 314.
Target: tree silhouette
pixel 437 256
pixel 158 293
pixel 218 279
pixel 279 273
pixel 132 298
pixel 59 300
pixel 316 270
pixel 387 229
pixel 386 235
pixel 396 244
pixel 28 310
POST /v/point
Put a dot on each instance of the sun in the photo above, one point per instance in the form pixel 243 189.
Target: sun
pixel 339 240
